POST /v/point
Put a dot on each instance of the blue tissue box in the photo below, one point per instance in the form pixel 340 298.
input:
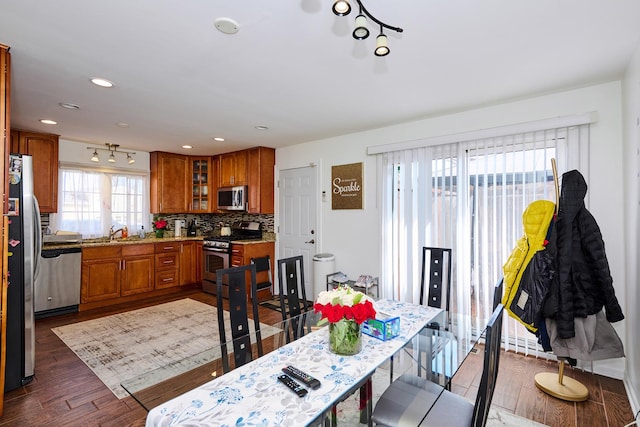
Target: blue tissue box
pixel 384 328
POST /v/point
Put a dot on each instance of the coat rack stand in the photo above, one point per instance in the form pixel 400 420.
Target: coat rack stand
pixel 561 387
pixel 557 385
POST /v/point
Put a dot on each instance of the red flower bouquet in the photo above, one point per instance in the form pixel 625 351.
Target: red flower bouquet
pixel 345 310
pixel 159 224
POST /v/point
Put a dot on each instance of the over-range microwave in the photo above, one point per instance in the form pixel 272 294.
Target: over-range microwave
pixel 232 198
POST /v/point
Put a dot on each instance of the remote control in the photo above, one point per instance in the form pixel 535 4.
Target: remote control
pixel 294 386
pixel 307 379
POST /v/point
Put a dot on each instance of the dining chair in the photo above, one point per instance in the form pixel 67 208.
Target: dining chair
pixel 435 291
pixel 497 293
pixel 293 296
pixel 407 400
pixel 263 277
pixel 238 323
pixel 435 279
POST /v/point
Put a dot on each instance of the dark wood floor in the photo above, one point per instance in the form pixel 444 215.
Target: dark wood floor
pixel 65 392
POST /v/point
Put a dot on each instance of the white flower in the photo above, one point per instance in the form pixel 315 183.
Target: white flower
pixel 342 295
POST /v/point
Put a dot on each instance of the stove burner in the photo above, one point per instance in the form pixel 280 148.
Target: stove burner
pixel 239 231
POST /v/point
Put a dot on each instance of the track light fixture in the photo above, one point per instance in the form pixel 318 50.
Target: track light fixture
pixel 343 8
pixel 112 149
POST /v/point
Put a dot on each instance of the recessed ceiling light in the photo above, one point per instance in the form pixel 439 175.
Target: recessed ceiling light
pixel 48 122
pixel 98 81
pixel 226 25
pixel 262 127
pixel 69 106
pixel 188 147
pixel 122 125
pixel 217 138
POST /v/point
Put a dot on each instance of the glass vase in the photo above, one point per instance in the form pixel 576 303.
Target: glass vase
pixel 345 337
pixel 159 233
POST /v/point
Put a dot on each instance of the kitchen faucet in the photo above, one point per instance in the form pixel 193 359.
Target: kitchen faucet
pixel 112 234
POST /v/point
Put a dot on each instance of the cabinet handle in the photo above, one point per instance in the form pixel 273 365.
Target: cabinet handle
pixel 167 248
pixel 168 262
pixel 167 280
pixel 124 264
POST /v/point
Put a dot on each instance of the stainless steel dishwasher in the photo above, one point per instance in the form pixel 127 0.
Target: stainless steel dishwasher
pixel 57 284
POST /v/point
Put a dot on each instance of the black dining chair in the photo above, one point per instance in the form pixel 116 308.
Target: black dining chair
pixel 238 323
pixel 497 293
pixel 263 277
pixel 435 279
pixel 435 291
pixel 414 401
pixel 293 296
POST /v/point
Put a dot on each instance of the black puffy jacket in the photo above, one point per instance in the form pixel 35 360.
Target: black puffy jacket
pixel 583 284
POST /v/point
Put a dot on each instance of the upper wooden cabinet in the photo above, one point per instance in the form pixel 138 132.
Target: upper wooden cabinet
pixel 201 181
pixel 44 150
pixel 261 162
pixel 169 179
pixel 233 169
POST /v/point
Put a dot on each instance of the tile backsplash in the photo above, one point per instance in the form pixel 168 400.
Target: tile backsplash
pixel 206 223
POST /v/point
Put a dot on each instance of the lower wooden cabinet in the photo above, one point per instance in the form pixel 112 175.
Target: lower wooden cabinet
pixel 115 271
pixel 138 270
pixel 188 263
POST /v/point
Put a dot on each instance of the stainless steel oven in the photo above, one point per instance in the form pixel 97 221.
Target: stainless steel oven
pixel 216 254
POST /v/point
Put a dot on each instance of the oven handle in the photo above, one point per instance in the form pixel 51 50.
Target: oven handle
pixel 208 249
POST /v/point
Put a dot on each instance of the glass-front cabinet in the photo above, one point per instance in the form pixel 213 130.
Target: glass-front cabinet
pixel 200 184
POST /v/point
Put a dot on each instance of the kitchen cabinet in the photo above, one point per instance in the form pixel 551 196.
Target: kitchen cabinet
pixel 43 147
pixel 138 272
pixel 177 263
pixel 167 264
pixel 233 169
pixel 200 185
pixel 169 179
pixel 260 170
pixel 241 254
pixel 114 271
pixel 189 263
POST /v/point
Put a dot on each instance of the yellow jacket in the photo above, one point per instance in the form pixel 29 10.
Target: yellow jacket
pixel 536 220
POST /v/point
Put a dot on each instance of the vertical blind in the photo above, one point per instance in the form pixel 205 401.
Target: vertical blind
pixel 469 196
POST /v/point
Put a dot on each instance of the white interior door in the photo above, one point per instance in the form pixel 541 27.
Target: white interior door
pixel 297 211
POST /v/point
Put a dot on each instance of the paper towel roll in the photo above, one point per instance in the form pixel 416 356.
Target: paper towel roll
pixel 178 228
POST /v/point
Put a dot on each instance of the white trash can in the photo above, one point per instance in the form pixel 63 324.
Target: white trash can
pixel 323 264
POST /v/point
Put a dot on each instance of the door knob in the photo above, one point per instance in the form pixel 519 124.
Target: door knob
pixel 310 241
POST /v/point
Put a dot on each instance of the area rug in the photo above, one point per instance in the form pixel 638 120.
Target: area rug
pixel 126 345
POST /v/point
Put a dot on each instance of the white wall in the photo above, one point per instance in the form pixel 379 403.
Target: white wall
pixel 353 236
pixel 631 102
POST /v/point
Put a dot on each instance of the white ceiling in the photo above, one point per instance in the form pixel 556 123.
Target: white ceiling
pixel 293 66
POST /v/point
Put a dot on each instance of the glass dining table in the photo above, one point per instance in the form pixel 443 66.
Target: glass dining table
pixel 196 391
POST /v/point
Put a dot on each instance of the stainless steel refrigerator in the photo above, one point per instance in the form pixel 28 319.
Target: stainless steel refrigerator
pixel 25 244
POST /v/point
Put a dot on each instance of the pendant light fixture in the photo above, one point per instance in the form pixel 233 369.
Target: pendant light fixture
pixel 341 7
pixel 361 32
pixel 112 149
pixel 382 47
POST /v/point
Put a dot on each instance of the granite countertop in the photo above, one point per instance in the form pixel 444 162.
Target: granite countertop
pixel 104 241
pixel 132 240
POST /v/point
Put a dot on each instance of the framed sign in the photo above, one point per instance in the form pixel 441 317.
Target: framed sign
pixel 346 186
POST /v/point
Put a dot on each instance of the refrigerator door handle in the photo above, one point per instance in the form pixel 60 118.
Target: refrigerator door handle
pixel 38 236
